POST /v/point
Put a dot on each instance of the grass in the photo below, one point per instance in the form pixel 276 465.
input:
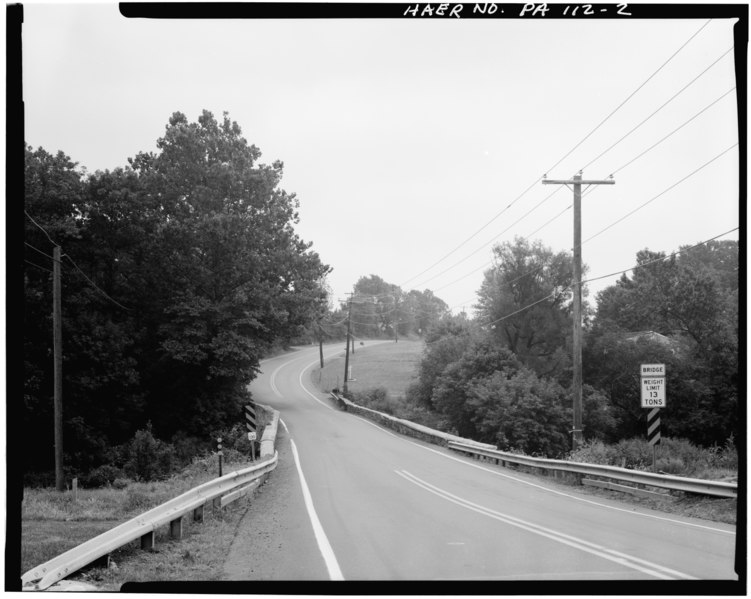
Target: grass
pixel 389 365
pixel 53 523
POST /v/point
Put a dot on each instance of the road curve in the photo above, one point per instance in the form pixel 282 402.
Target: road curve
pixel 354 501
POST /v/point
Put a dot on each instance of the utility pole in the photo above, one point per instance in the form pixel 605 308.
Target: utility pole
pixel 57 345
pixel 320 343
pixel 346 355
pixel 577 183
pixel 396 319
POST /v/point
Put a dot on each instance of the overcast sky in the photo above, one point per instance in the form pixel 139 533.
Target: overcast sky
pixel 403 138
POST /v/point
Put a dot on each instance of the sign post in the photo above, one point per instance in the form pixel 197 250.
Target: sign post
pixel 653 396
pixel 250 423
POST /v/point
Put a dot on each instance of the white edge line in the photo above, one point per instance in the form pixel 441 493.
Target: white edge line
pixel 324 546
pixel 526 482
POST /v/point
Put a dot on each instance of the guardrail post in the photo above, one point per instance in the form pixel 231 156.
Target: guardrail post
pixel 198 514
pixel 147 541
pixel 176 528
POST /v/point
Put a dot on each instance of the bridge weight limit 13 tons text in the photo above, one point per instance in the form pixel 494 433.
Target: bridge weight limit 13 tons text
pixel 653 397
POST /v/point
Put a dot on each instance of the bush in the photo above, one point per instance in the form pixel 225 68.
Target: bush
pixel 148 458
pixel 137 501
pixel 376 399
pixel 101 476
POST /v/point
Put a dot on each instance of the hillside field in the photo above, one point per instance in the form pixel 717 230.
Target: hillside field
pixel 389 365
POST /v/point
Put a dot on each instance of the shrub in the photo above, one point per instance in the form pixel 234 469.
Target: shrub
pixel 101 476
pixel 137 501
pixel 148 457
pixel 376 399
pixel 120 483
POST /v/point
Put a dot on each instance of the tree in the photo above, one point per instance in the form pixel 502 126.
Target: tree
pixel 526 301
pixel 445 342
pixel 481 359
pixel 692 300
pixel 180 270
pixel 421 310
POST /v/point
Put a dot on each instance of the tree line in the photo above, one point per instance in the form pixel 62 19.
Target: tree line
pixel 179 271
pixel 504 376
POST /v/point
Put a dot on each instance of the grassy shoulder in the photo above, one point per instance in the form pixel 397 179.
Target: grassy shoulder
pixel 390 365
pixel 53 523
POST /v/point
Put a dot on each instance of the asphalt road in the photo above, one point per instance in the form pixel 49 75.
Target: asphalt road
pixel 351 500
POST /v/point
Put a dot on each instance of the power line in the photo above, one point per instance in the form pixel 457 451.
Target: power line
pixel 621 272
pixel 674 131
pixel 39 267
pixel 38 250
pixel 94 285
pixel 684 88
pixel 590 190
pixel 41 227
pixel 631 95
pixel 660 259
pixel 517 221
pixel 691 174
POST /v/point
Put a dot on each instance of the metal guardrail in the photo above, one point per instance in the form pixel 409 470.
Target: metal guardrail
pixel 663 481
pixel 142 526
pixel 406 426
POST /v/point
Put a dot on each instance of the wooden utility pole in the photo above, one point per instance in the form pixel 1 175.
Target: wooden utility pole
pixel 396 319
pixel 320 343
pixel 346 355
pixel 57 345
pixel 577 183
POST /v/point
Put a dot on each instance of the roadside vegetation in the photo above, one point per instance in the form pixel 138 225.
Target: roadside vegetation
pixel 54 522
pixel 386 376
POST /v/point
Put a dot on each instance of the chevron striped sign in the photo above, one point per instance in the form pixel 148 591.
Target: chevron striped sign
pixel 250 417
pixel 653 427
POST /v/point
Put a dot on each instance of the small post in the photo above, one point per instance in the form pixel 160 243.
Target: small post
pixel 198 514
pixel 346 351
pixel 220 453
pixel 176 528
pixel 75 489
pixel 147 541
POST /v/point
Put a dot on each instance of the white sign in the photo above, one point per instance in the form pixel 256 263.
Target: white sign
pixel 653 392
pixel 252 436
pixel 651 370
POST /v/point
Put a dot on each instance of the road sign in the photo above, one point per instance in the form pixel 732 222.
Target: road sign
pixel 653 392
pixel 652 370
pixel 653 386
pixel 252 436
pixel 653 427
pixel 250 417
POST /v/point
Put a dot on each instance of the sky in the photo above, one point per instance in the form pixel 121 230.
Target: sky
pixel 415 145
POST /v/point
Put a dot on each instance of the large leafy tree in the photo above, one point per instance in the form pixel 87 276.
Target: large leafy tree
pixel 525 299
pixel 692 300
pixel 193 268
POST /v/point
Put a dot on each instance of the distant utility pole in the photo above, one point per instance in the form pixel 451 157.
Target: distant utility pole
pixel 396 319
pixel 57 345
pixel 577 183
pixel 346 355
pixel 320 342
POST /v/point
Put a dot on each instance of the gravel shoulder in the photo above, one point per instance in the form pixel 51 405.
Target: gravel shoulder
pixel 274 539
